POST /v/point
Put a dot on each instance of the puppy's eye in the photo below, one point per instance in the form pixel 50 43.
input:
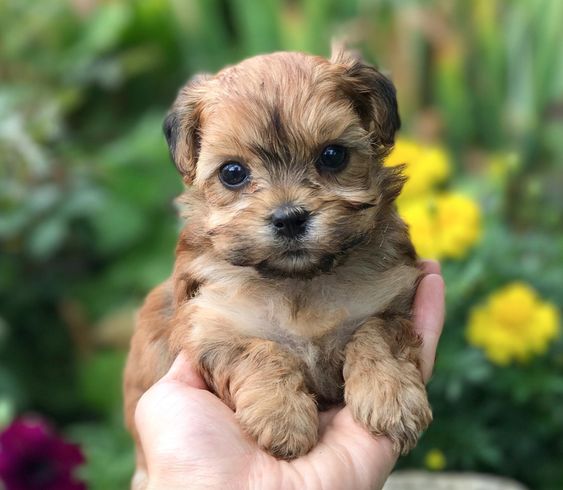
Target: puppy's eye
pixel 233 175
pixel 333 158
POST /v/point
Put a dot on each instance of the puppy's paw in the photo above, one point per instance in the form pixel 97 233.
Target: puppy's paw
pixel 285 425
pixel 392 406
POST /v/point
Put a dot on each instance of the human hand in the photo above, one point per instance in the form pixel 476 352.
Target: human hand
pixel 191 438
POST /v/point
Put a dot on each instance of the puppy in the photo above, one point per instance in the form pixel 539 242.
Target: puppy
pixel 294 275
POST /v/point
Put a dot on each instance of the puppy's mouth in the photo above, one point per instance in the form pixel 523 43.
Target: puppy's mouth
pixel 298 254
pixel 300 263
pixel 295 265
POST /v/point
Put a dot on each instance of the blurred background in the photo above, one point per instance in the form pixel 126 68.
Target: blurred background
pixel 88 225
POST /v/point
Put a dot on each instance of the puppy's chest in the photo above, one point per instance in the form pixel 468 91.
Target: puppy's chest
pixel 313 325
pixel 313 320
pixel 295 313
pixel 322 355
pixel 300 318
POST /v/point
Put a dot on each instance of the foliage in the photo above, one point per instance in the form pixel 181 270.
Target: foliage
pixel 87 226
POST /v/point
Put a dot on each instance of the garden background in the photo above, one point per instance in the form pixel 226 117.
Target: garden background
pixel 88 226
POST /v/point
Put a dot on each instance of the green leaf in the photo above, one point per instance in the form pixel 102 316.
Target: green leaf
pixel 100 381
pixel 118 224
pixel 47 237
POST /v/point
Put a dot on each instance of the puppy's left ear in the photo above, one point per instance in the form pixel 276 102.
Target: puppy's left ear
pixel 182 125
pixel 373 95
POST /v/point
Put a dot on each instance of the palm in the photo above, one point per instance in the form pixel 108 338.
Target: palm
pixel 217 441
pixel 346 454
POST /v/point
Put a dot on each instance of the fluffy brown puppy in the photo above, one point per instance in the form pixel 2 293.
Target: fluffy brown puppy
pixel 294 275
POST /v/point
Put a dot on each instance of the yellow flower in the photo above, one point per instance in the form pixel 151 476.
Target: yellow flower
pixel 458 220
pixel 514 324
pixel 446 225
pixel 426 166
pixel 435 460
pixel 419 217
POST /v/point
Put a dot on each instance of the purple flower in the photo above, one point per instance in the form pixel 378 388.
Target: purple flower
pixel 33 457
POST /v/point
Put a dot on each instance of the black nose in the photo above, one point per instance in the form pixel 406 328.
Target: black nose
pixel 289 221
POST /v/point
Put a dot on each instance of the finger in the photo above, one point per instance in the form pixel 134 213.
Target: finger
pixel 161 411
pixel 182 370
pixel 430 266
pixel 429 311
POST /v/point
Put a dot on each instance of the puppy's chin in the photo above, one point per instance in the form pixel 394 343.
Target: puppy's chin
pixel 293 261
pixel 302 264
pixel 295 265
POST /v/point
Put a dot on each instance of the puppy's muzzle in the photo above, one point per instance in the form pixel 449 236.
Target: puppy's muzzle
pixel 290 221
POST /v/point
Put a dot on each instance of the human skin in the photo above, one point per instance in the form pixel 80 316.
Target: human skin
pixel 191 439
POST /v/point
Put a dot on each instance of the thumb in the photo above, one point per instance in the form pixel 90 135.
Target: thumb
pixel 183 371
pixel 429 311
pixel 161 412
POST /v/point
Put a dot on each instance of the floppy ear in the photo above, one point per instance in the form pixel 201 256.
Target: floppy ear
pixel 373 95
pixel 181 127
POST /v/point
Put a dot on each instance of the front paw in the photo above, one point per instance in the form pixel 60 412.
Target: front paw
pixel 285 425
pixel 396 407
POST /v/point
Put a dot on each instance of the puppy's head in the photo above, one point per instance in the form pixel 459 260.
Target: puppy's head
pixel 283 154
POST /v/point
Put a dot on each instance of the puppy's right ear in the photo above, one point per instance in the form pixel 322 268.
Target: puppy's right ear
pixel 181 127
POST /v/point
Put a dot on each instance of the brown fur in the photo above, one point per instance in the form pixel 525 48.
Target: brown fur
pixel 278 327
